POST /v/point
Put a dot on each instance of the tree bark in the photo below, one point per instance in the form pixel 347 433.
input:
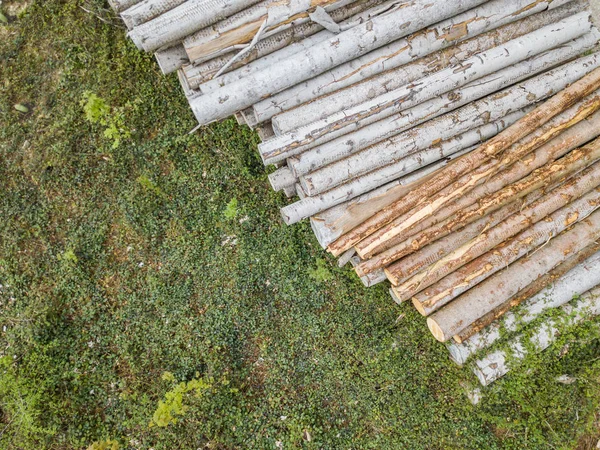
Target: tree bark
pixel 439 36
pixel 494 291
pixel 146 10
pixel 562 75
pixel 433 86
pixel 496 364
pixel 122 5
pixel 366 89
pixel 566 166
pixel 575 276
pixel 346 46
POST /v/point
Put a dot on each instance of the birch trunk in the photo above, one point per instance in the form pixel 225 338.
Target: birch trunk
pixel 468 163
pixel 428 87
pixel 346 46
pixel 557 198
pixel 481 268
pixel 496 364
pixel 122 5
pixel 275 48
pixel 575 276
pixel 450 148
pixel 146 10
pixel 365 90
pixel 441 35
pixel 385 133
pixel 171 59
pixel 282 178
pixel 518 166
pixel 494 291
pixel 174 25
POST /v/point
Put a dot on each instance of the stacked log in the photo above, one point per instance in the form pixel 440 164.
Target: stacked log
pixel 450 148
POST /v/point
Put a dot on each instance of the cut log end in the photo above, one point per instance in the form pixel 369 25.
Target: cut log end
pixel 436 330
pixel 419 306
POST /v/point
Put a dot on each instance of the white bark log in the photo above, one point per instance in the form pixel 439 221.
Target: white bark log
pixel 459 281
pixel 496 364
pixel 486 296
pixel 578 280
pixel 458 121
pixel 344 99
pixel 171 59
pixel 324 161
pixel 346 46
pixel 174 25
pixel 270 50
pixel 146 10
pixel 121 5
pixel 282 178
pixel 441 35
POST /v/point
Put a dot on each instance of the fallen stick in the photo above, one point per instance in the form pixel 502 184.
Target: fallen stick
pixel 346 46
pixel 536 118
pixel 575 276
pixel 444 34
pixel 495 365
pixel 494 291
pixel 448 218
pixel 343 99
pixel 426 88
pixel 566 166
pixel 481 268
pixel 176 24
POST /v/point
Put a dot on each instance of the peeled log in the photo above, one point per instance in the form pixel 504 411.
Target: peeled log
pixel 460 210
pixel 494 291
pixel 371 87
pixel 473 273
pixel 575 276
pixel 496 364
pixel 471 23
pixel 346 46
pixel 427 87
pixel 474 159
pixel 566 166
pixel 187 18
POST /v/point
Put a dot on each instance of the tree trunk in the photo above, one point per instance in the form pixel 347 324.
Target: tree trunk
pixel 366 89
pixel 474 159
pixel 439 36
pixel 346 46
pixel 146 10
pixel 496 364
pixel 494 291
pixel 433 86
pixel 122 5
pixel 178 23
pixel 575 276
pixel 171 59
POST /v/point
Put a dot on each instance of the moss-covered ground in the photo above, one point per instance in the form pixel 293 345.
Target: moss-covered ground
pixel 150 294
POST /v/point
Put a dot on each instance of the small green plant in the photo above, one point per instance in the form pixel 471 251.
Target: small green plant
pixel 231 209
pixel 98 112
pixel 104 445
pixel 149 185
pixel 320 273
pixel 173 405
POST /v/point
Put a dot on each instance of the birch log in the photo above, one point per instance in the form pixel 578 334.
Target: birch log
pixel 459 212
pixel 282 178
pixel 446 176
pixel 489 294
pixel 428 87
pixel 270 16
pixel 346 46
pixel 121 5
pixel 275 48
pixel 473 273
pixel 187 18
pixel 441 35
pixel 451 148
pixel 495 365
pixel 146 10
pixel 579 279
pixel 365 90
pixel 170 59
pixel 526 293
pixel 383 134
pixel 555 199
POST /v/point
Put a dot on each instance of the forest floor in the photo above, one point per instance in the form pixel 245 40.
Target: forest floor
pixel 150 294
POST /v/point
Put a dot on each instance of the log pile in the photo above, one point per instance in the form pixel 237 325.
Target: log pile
pixel 451 148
